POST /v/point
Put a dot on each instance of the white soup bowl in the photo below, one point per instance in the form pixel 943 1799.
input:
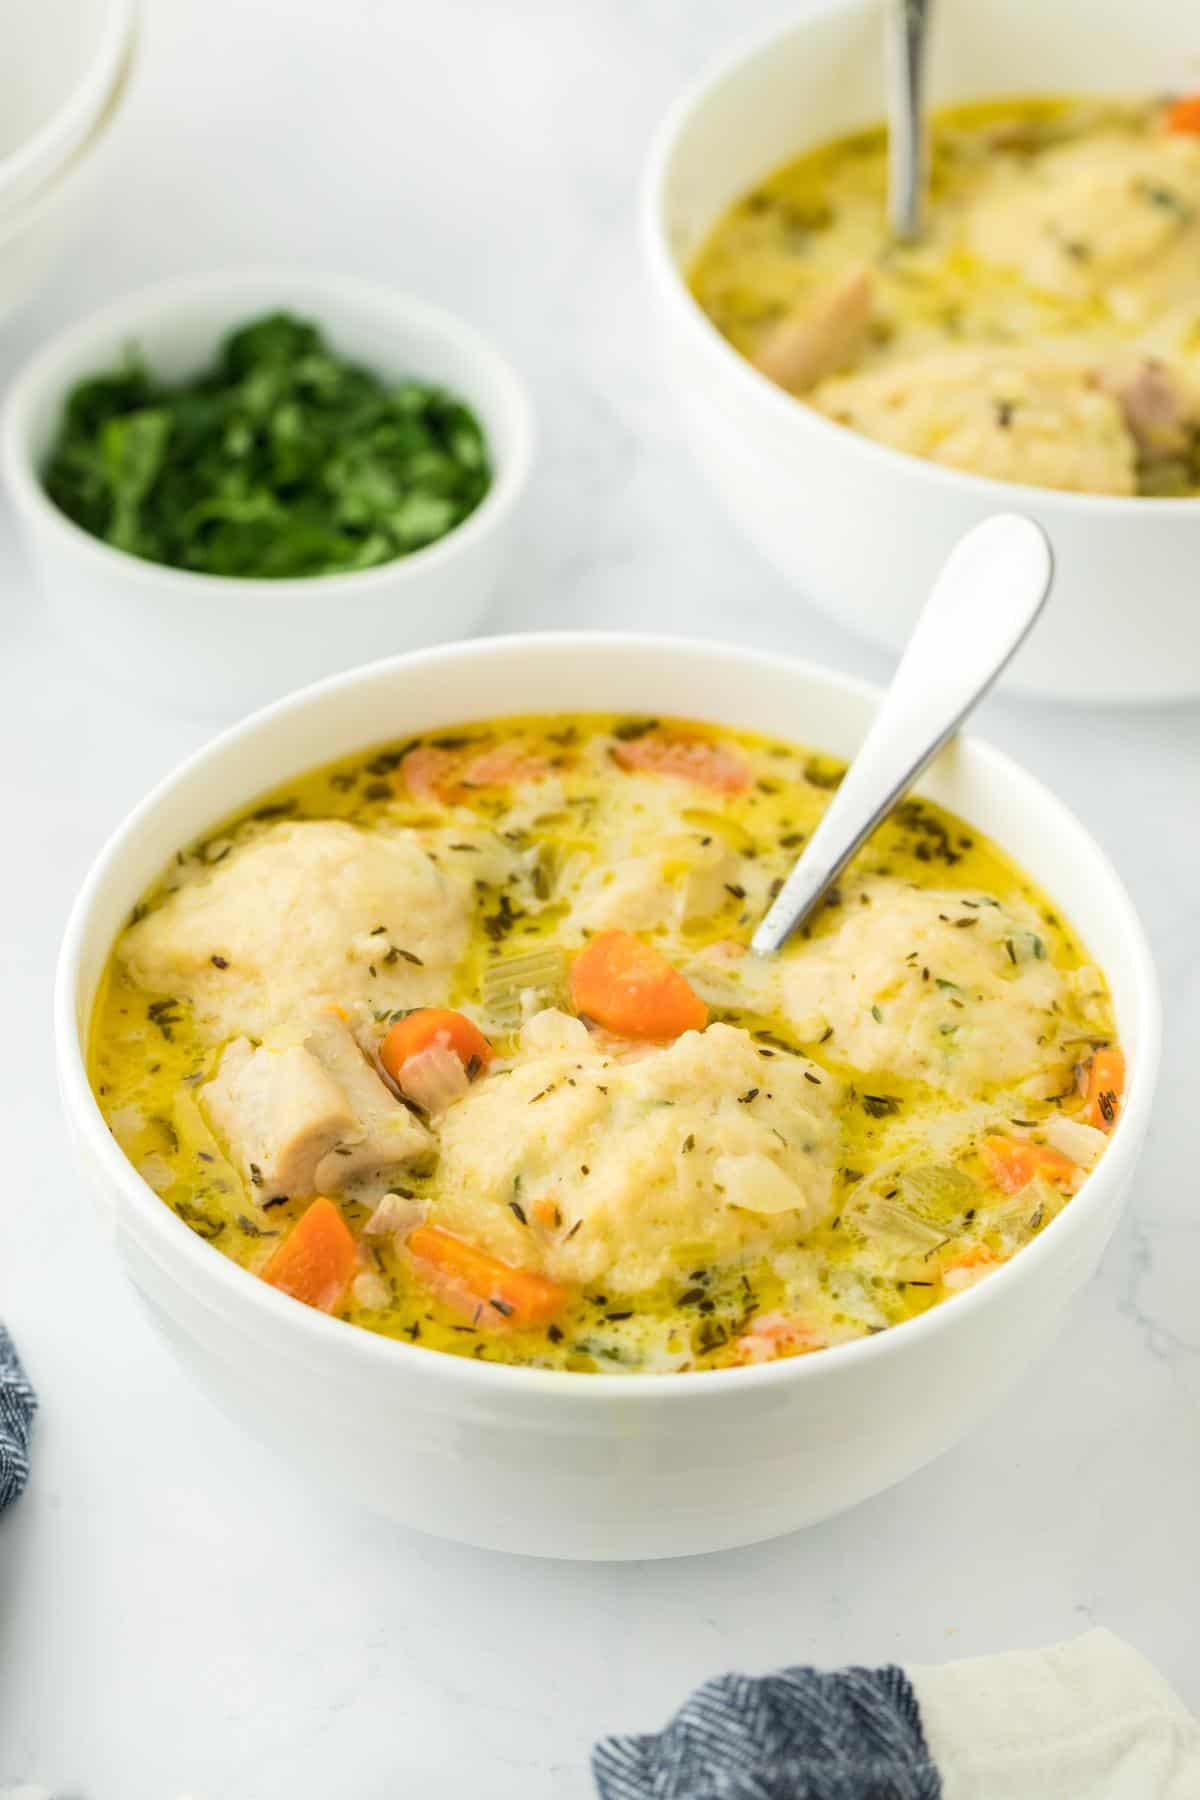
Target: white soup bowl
pixel 859 528
pixel 572 1465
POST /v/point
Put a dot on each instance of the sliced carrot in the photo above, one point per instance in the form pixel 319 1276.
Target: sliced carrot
pixel 975 1256
pixel 629 988
pixel 969 1266
pixel 772 1335
pixel 1014 1162
pixel 503 766
pixel 431 1025
pixel 451 776
pixel 470 1279
pixel 1183 114
pixel 1105 1085
pixel 691 759
pixel 316 1260
pixel 428 773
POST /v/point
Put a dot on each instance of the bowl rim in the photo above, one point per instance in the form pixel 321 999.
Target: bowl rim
pixel 45 199
pixel 788 411
pixel 312 1335
pixel 41 376
pixel 78 113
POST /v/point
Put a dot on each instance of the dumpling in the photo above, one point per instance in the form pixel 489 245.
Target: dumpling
pixel 944 987
pixel 308 912
pixel 1016 415
pixel 624 1170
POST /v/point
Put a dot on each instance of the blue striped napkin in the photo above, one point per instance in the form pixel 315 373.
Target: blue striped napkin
pixel 18 1403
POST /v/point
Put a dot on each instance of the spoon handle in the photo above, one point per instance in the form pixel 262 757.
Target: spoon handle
pixel 983 605
pixel 908 30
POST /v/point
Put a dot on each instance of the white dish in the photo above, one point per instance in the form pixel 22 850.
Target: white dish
pixel 33 234
pixel 60 65
pixel 596 1466
pixel 219 645
pixel 860 528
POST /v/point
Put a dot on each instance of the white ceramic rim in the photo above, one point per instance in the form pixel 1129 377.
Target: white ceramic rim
pixel 791 413
pixel 87 102
pixel 45 199
pixel 324 1336
pixel 42 375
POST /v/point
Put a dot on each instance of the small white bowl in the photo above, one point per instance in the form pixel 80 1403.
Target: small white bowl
pixel 60 65
pixel 596 1466
pixel 216 644
pixel 862 529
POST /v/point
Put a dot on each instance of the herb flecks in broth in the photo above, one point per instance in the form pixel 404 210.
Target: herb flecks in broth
pixel 486 993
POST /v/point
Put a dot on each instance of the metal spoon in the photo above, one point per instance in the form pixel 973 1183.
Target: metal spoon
pixel 982 607
pixel 907 33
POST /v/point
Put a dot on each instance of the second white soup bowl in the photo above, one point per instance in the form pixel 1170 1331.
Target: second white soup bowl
pixel 860 528
pixel 595 1466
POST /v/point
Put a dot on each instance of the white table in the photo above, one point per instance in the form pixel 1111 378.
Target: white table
pixel 176 1616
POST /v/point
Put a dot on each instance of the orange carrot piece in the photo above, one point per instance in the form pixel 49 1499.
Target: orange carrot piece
pixel 632 990
pixel 975 1256
pixel 503 766
pixel 968 1266
pixel 773 1335
pixel 428 772
pixel 1105 1086
pixel 469 1278
pixel 691 759
pixel 1183 114
pixel 316 1260
pixel 434 1025
pixel 1014 1162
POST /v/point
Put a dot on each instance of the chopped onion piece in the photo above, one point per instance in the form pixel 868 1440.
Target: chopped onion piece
pixel 157 1171
pixel 756 1184
pixel 549 1031
pixel 396 1213
pixel 1082 1143
pixel 371 1290
pixel 433 1078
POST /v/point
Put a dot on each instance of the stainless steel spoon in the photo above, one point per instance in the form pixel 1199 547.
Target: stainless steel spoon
pixel 982 607
pixel 907 32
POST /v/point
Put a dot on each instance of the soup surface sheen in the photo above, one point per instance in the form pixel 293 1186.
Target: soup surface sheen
pixel 460 1039
pixel 1045 330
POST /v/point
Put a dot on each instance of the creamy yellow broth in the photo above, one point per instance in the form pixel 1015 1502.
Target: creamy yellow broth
pixel 913 1208
pixel 1046 328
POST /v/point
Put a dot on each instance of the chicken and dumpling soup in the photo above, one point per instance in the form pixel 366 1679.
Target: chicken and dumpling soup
pixel 1045 329
pixel 461 1040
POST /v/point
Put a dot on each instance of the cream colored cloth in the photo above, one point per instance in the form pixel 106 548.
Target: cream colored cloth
pixel 1085 1720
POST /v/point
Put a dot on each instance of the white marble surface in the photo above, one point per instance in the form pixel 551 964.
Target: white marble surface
pixel 175 1615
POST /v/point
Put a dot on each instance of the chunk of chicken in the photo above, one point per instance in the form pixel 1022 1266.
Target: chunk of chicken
pixel 307 1118
pixel 280 1113
pixel 386 1132
pixel 820 338
pixel 1161 404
